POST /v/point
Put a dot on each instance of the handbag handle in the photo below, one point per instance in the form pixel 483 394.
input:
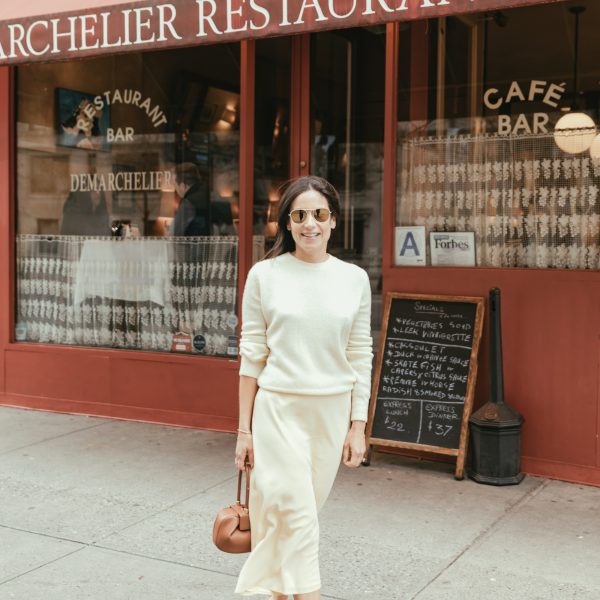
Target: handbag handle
pixel 239 488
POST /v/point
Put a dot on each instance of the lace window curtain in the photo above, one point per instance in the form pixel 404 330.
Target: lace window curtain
pixel 529 203
pixel 70 291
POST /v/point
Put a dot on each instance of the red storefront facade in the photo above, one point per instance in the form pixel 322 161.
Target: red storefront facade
pixel 551 316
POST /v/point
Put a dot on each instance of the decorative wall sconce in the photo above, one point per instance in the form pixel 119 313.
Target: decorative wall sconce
pixel 229 115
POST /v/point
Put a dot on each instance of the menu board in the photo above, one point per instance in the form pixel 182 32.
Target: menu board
pixel 425 373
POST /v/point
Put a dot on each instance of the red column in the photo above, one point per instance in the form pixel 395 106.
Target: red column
pixel 300 126
pixel 389 147
pixel 247 108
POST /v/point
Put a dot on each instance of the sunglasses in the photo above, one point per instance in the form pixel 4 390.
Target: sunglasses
pixel 321 215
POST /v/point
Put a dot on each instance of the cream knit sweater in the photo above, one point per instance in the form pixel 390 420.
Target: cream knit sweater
pixel 306 329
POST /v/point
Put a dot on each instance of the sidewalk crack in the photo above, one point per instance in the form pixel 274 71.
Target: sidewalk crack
pixel 32 570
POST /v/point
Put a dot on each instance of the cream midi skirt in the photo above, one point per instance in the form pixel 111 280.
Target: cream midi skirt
pixel 298 444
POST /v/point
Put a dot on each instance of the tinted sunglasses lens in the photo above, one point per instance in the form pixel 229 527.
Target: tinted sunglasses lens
pixel 321 215
pixel 298 216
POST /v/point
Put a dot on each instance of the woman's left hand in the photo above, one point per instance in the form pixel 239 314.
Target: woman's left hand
pixel 355 446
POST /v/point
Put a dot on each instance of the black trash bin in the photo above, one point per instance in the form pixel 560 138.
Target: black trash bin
pixel 495 428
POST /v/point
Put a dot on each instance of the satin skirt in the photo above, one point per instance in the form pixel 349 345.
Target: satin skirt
pixel 298 444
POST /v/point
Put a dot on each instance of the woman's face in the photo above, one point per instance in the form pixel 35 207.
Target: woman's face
pixel 311 236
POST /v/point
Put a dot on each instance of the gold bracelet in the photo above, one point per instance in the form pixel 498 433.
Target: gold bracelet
pixel 244 431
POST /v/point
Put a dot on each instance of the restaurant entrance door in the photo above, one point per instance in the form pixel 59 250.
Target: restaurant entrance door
pixel 320 110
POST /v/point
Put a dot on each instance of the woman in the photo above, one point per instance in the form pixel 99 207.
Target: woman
pixel 304 389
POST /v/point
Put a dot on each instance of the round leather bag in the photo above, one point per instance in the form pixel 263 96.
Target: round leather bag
pixel 231 530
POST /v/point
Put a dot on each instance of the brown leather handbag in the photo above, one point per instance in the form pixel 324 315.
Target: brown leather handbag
pixel 231 531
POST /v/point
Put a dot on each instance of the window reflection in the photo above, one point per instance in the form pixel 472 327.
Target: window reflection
pixel 110 132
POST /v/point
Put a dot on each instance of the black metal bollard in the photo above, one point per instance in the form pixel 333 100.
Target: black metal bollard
pixel 496 427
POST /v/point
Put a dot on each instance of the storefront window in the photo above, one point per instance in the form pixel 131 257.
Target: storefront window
pixel 505 150
pixel 127 201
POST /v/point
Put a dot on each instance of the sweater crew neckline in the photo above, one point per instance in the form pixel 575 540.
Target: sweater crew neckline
pixel 310 265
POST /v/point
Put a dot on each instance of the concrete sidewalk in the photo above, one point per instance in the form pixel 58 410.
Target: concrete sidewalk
pixel 111 510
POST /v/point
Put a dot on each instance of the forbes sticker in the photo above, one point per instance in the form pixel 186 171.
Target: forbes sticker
pixel 452 248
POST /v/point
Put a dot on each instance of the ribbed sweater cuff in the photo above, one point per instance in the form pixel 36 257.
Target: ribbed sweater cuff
pixel 359 411
pixel 251 368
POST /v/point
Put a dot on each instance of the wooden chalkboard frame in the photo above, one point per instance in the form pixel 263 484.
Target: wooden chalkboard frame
pixel 461 451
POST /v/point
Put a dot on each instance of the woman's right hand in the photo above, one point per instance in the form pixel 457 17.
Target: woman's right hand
pixel 244 451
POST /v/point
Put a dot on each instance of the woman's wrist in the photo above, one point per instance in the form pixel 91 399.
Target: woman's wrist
pixel 358 426
pixel 244 431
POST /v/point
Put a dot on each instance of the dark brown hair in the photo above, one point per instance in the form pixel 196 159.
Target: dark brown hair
pixel 284 242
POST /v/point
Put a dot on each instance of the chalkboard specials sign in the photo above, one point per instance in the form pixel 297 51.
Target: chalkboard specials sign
pixel 425 374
